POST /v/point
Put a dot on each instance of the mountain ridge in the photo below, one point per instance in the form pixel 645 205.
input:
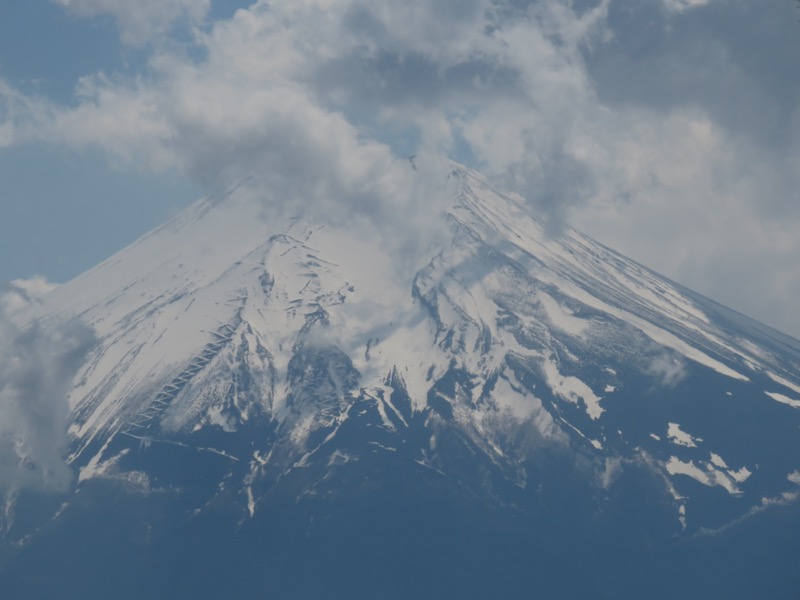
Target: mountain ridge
pixel 286 363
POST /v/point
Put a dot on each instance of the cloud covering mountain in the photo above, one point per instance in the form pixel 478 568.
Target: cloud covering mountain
pixel 650 125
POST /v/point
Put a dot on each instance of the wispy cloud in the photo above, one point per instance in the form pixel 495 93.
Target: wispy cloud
pixel 667 369
pixel 143 20
pixel 684 5
pixel 37 365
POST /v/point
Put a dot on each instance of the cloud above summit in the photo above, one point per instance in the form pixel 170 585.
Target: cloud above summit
pixel 333 86
pixel 622 117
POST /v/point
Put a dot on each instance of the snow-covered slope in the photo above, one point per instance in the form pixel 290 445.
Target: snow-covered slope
pixel 294 346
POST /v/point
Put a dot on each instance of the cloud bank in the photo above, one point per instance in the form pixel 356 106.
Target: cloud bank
pixel 657 127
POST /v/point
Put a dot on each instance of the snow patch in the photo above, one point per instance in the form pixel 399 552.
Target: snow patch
pixel 784 399
pixel 92 468
pixel 714 473
pixel 561 317
pixel 251 504
pixel 741 475
pixel 708 475
pixel 680 437
pixel 783 382
pixel 96 468
pixel 654 332
pixel 718 460
pixel 572 390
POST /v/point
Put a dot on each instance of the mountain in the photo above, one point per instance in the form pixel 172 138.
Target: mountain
pixel 272 411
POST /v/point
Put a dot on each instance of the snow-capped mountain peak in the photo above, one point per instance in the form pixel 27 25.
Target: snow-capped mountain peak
pixel 270 343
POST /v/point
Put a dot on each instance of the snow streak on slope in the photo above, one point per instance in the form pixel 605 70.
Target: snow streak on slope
pixel 220 321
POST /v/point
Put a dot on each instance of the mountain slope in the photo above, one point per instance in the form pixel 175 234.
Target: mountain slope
pixel 251 367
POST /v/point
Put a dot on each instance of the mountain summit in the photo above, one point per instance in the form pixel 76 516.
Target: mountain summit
pixel 271 409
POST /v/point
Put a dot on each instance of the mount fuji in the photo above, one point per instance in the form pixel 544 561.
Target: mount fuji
pixel 270 411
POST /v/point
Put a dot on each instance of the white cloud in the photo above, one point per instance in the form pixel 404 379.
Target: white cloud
pixel 309 96
pixel 21 293
pixel 704 207
pixel 140 21
pixel 37 365
pixel 668 370
pixel 6 116
pixel 17 111
pixel 261 101
pixel 679 6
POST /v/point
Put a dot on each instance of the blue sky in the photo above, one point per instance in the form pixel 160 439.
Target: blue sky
pixel 668 129
pixel 61 210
